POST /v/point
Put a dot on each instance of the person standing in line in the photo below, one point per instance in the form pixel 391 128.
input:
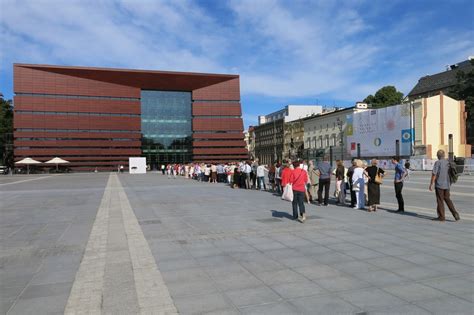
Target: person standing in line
pixel 298 180
pixel 340 183
pixel 236 183
pixel 349 174
pixel 176 171
pixel 186 171
pixel 242 180
pixel 366 180
pixel 285 175
pixel 358 184
pixel 373 186
pixel 253 174
pixel 400 174
pixel 191 171
pixel 207 173
pixel 278 170
pixel 407 170
pixel 271 176
pixel 247 176
pixel 313 175
pixel 198 172
pixel 229 170
pixel 220 173
pixel 325 171
pixel 168 170
pixel 261 177
pixel 213 173
pixel 304 166
pixel 442 182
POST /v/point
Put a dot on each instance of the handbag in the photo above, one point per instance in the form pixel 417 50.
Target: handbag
pixel 287 193
pixel 356 186
pixel 378 179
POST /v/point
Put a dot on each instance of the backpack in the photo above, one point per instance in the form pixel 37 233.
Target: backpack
pixel 452 173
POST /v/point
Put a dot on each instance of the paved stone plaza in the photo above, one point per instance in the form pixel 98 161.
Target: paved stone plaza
pixel 127 244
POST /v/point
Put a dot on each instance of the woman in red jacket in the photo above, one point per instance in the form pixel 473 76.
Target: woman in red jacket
pixel 298 179
pixel 285 175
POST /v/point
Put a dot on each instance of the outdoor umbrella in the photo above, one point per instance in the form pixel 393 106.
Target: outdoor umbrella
pixel 56 161
pixel 27 162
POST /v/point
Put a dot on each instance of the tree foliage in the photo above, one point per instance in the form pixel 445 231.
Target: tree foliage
pixel 386 96
pixel 6 132
pixel 464 90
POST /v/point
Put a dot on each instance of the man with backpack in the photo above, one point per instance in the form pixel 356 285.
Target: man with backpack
pixel 444 174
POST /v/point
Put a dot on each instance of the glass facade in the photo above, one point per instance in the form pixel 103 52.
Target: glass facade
pixel 166 127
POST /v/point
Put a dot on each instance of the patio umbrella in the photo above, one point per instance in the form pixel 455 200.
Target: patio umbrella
pixel 27 162
pixel 56 161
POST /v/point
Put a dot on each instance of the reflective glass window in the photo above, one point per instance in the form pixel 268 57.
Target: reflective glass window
pixel 166 118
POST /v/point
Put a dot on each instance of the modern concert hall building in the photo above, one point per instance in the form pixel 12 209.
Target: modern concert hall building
pixel 96 118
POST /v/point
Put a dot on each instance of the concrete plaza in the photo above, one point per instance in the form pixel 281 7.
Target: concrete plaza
pixel 127 244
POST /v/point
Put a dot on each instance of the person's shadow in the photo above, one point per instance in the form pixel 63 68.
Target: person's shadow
pixel 280 214
pixel 406 213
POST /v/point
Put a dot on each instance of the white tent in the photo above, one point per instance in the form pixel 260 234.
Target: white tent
pixel 56 161
pixel 27 162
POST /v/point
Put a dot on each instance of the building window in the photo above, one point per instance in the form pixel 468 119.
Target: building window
pixel 165 142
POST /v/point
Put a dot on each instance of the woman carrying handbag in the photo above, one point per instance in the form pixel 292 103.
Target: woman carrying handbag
pixel 298 180
pixel 375 180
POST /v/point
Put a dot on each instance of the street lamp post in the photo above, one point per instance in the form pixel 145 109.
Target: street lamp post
pixel 340 124
pixel 274 142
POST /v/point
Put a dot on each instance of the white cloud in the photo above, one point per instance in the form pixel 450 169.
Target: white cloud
pixel 280 48
pixel 104 33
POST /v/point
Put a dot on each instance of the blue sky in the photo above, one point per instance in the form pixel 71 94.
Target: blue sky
pixel 286 52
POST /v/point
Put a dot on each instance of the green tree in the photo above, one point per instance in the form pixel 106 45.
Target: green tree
pixel 464 90
pixel 386 96
pixel 6 132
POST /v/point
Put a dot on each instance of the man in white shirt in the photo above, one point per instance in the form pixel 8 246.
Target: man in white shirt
pixel 261 169
pixel 278 178
pixel 246 173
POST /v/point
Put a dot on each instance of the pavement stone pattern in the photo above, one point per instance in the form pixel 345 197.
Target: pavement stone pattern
pixel 107 242
pixel 218 250
pixel 87 290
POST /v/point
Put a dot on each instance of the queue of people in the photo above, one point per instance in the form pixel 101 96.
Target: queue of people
pixel 311 183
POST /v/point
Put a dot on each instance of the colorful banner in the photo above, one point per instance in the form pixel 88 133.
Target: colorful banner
pixel 377 131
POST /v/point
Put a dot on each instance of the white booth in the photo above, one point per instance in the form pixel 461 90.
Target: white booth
pixel 137 165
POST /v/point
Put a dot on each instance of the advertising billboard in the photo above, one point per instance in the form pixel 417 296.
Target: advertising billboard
pixel 377 130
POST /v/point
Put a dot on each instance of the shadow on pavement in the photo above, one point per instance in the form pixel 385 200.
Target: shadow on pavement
pixel 280 214
pixel 410 214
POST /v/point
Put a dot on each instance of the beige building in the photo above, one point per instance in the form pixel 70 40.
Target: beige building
pixel 325 133
pixel 434 119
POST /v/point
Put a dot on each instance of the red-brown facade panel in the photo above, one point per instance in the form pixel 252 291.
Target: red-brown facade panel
pixel 232 135
pixel 22 120
pixel 219 151
pixel 205 124
pixel 91 116
pixel 49 104
pixel 31 80
pixel 77 143
pixel 221 158
pixel 216 144
pixel 216 109
pixel 225 91
pixel 66 151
